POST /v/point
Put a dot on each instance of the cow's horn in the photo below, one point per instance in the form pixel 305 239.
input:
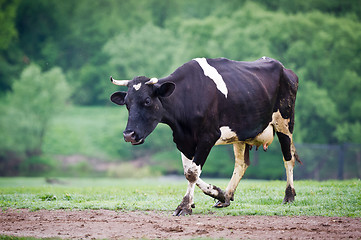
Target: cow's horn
pixel 152 81
pixel 119 82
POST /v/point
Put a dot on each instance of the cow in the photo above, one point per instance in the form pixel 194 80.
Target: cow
pixel 209 102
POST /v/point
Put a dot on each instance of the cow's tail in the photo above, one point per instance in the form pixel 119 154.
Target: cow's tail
pixel 297 158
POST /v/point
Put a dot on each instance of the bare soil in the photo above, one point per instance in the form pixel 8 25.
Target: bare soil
pixel 100 224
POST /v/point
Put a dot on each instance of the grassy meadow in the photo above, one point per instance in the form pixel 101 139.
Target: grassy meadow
pixel 253 197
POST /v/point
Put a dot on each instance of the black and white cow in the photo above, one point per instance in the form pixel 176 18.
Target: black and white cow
pixel 209 102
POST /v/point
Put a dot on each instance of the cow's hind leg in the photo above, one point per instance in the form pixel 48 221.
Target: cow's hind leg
pixel 241 154
pixel 284 133
pixel 289 157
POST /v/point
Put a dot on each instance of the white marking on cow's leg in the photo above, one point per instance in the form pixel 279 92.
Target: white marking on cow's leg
pixel 206 188
pixel 190 193
pixel 280 124
pixel 213 74
pixel 240 166
pixel 191 172
pixel 211 190
pixel 137 86
pixel 289 165
pixel 290 192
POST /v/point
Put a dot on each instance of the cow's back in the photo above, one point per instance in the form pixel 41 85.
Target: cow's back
pixel 198 103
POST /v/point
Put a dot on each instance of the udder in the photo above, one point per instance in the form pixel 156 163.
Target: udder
pixel 264 139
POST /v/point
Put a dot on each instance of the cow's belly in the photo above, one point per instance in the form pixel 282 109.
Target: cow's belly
pixel 264 139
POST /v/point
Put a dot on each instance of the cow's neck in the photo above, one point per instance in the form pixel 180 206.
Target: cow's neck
pixel 183 136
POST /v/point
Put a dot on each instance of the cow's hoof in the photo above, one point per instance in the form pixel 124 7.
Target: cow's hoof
pixel 182 211
pixel 220 204
pixel 289 199
pixel 290 194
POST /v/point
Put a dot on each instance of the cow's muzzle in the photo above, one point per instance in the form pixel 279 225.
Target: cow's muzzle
pixel 132 138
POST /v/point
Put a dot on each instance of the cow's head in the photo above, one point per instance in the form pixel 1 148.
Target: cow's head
pixel 144 106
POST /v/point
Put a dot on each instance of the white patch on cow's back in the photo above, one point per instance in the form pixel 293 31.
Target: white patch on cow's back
pixel 213 74
pixel 227 136
pixel 137 86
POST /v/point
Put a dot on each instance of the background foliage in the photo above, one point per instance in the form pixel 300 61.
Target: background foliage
pixel 56 52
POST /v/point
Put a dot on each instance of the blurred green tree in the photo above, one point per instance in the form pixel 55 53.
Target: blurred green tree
pixel 8 34
pixel 7 24
pixel 147 51
pixel 27 110
pixel 322 49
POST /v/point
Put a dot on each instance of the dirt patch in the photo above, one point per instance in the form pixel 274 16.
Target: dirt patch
pixel 100 224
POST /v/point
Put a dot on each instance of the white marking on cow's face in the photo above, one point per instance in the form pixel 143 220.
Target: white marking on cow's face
pixel 137 86
pixel 227 136
pixel 213 74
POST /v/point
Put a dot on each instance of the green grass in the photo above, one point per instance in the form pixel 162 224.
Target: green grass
pixel 328 198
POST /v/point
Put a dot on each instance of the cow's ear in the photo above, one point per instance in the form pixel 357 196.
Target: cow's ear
pixel 118 98
pixel 166 89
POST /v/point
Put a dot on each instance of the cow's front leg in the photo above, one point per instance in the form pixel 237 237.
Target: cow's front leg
pixel 241 154
pixel 185 207
pixel 208 189
pixel 192 172
pixel 211 190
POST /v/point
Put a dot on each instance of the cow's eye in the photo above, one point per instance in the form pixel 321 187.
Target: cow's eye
pixel 147 101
